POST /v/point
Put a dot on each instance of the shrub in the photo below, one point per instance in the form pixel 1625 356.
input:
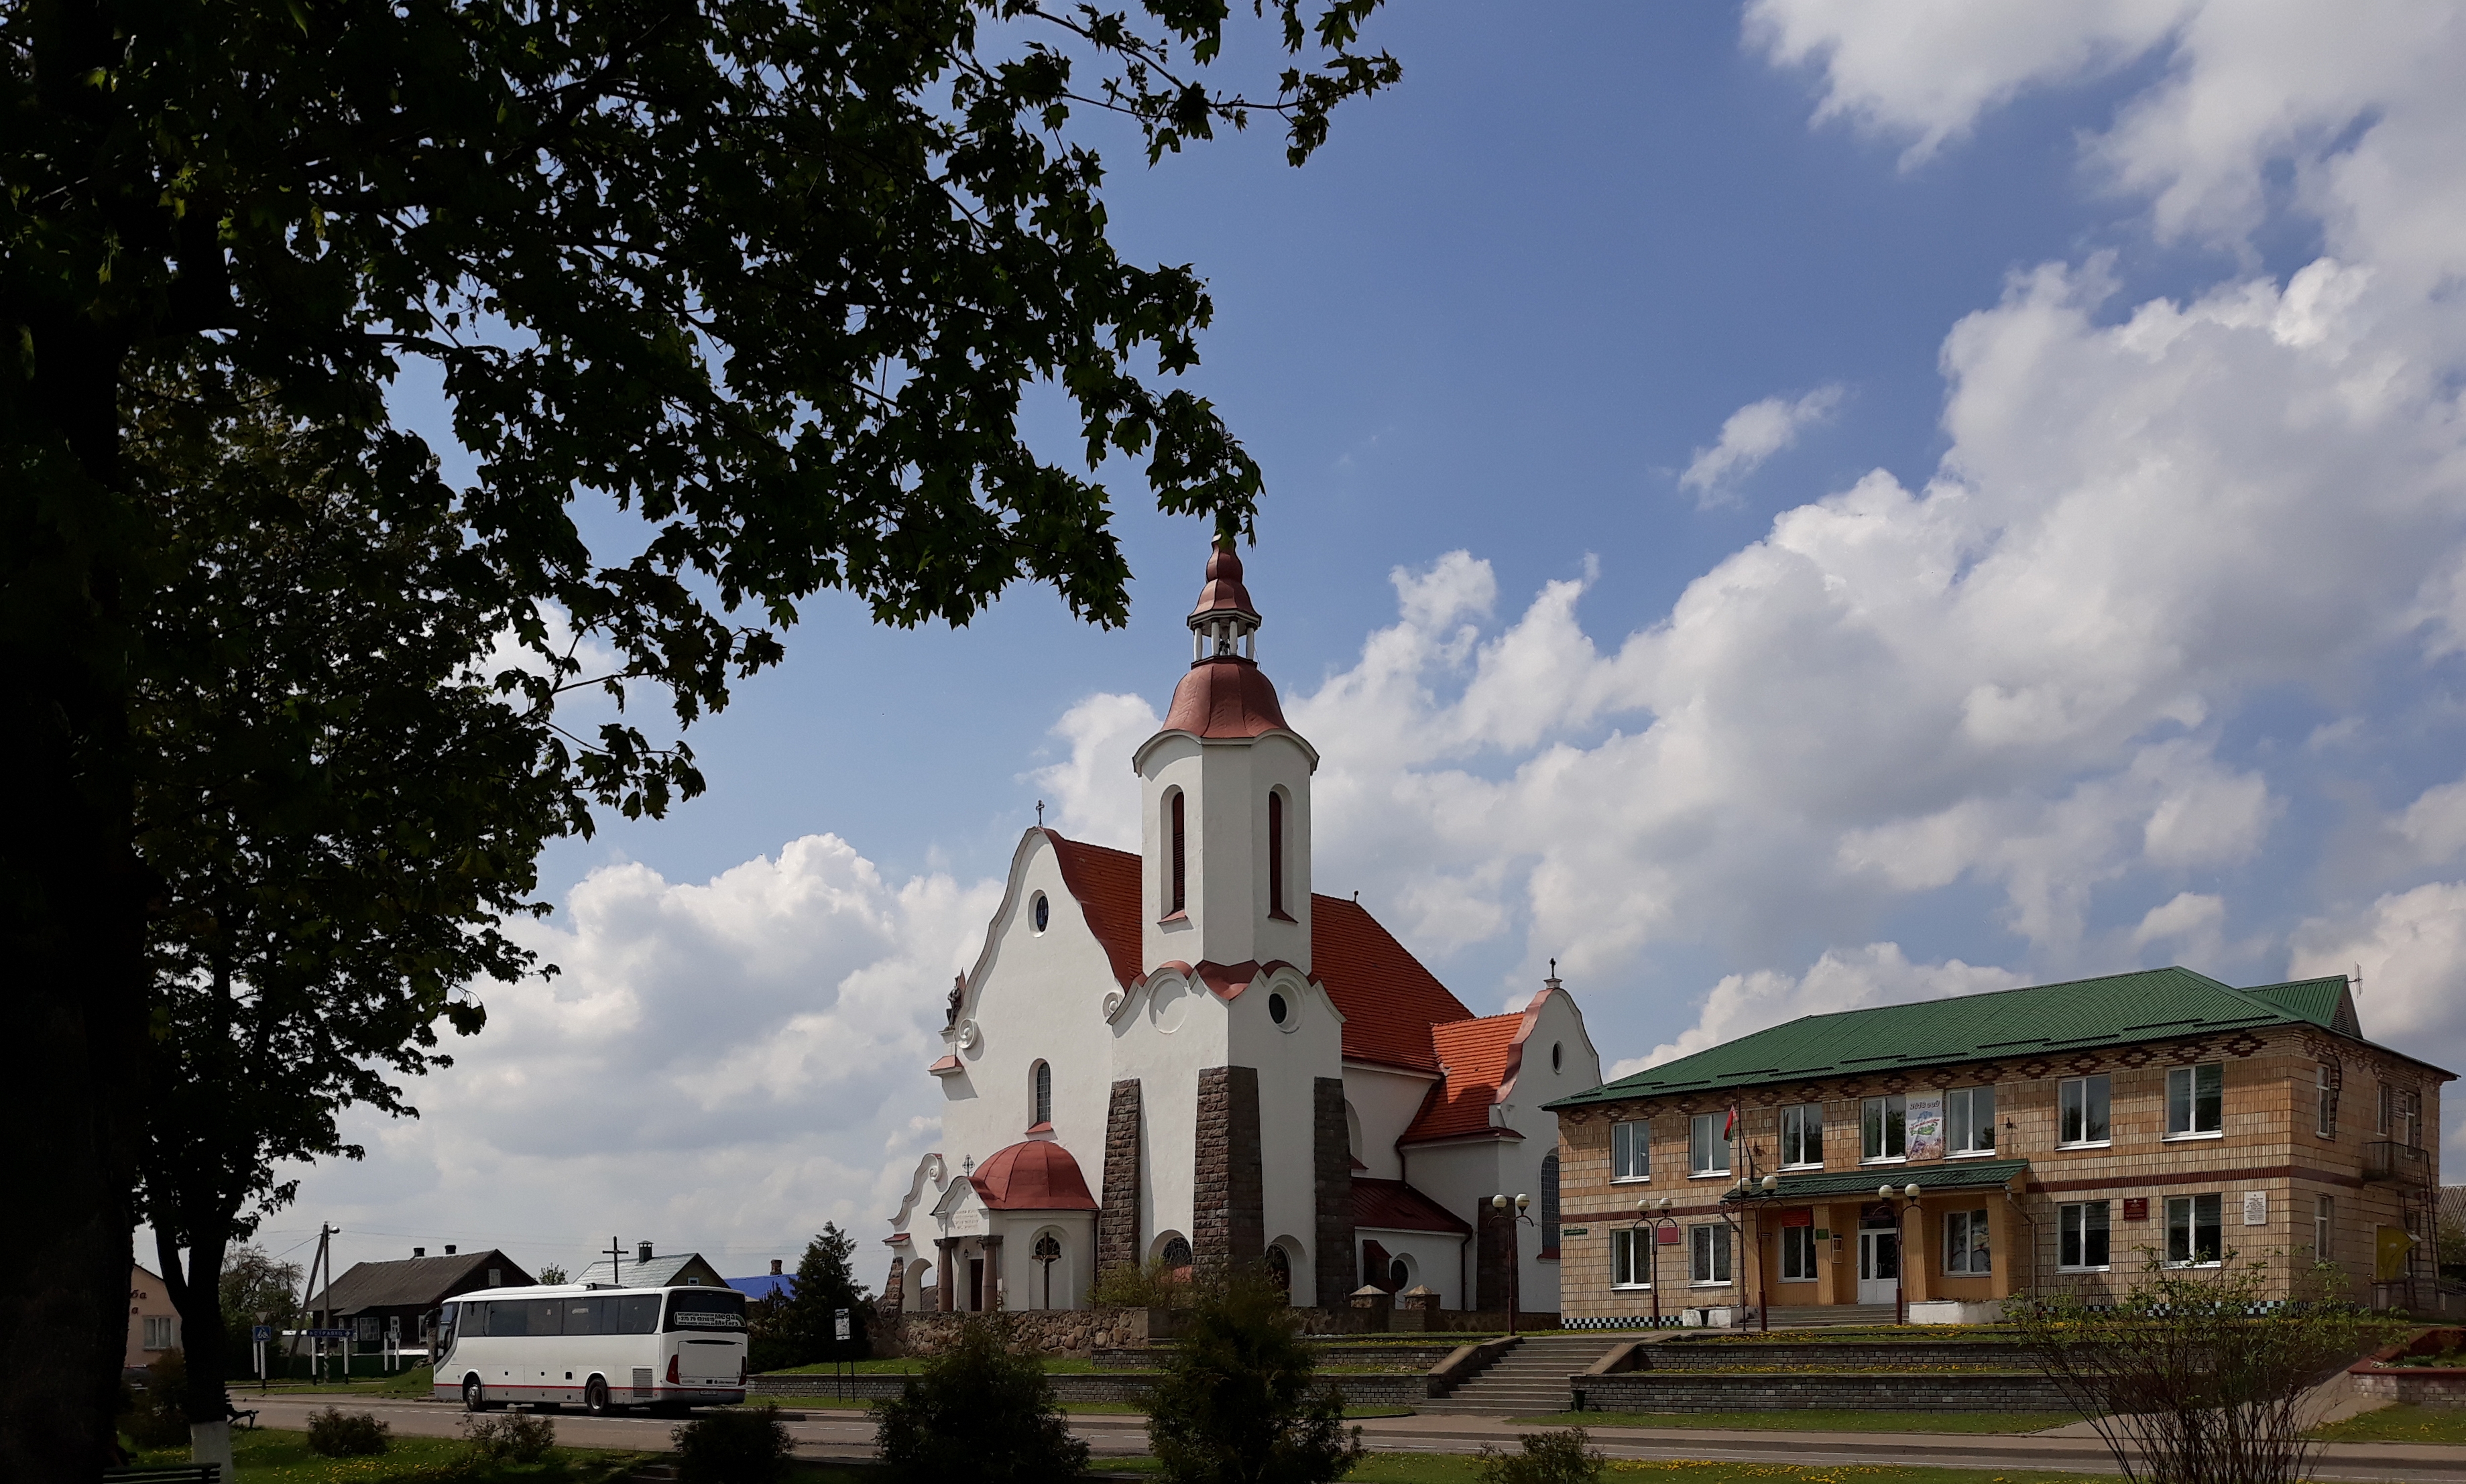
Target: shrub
pixel 748 1447
pixel 1565 1457
pixel 1151 1287
pixel 977 1411
pixel 155 1417
pixel 1237 1401
pixel 512 1437
pixel 340 1434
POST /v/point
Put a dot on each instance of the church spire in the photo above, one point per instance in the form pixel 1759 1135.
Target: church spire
pixel 1223 626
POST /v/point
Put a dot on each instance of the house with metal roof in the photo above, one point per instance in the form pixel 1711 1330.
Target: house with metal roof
pixel 1951 1153
pixel 650 1269
pixel 378 1299
pixel 1183 1054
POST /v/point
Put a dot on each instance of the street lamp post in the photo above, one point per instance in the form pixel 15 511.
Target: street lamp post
pixel 1901 1241
pixel 1646 1219
pixel 1515 1260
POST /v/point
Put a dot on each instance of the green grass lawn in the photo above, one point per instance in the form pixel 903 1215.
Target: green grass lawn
pixel 414 1382
pixel 271 1456
pixel 1464 1469
pixel 2400 1422
pixel 1814 1420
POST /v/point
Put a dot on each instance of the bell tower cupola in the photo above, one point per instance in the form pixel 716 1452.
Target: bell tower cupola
pixel 1225 784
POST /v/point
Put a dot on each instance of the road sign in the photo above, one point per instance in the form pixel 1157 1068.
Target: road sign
pixel 840 1322
pixel 261 1334
pixel 319 1334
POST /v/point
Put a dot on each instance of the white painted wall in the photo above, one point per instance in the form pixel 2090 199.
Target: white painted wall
pixel 1439 1260
pixel 1386 1103
pixel 1289 1059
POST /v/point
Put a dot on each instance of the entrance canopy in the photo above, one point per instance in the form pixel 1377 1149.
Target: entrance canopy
pixel 1931 1178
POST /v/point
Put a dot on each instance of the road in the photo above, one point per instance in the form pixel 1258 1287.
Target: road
pixel 849 1435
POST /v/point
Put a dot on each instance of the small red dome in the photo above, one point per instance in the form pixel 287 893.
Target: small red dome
pixel 1226 696
pixel 1224 593
pixel 1039 1175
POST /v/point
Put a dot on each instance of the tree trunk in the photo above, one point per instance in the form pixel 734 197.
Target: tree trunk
pixel 197 1293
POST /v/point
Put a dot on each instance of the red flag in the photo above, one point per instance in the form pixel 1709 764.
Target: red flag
pixel 1730 1129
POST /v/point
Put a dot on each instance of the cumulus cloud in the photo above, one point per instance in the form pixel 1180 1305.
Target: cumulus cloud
pixel 1750 435
pixel 1092 791
pixel 2410 947
pixel 1841 980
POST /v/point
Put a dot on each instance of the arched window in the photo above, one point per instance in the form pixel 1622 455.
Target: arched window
pixel 1043 1097
pixel 1177 1253
pixel 1046 1252
pixel 1276 852
pixel 1175 900
pixel 1549 1202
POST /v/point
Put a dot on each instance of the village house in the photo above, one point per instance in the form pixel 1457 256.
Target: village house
pixel 1185 1055
pixel 393 1302
pixel 2034 1139
pixel 153 1323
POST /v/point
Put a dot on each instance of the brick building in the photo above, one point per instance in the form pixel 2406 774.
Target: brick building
pixel 2054 1134
pixel 1183 1054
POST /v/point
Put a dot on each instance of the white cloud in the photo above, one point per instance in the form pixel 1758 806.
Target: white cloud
pixel 2411 948
pixel 1093 791
pixel 1750 435
pixel 1876 974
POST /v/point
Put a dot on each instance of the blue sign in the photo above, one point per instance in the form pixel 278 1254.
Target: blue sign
pixel 319 1334
pixel 261 1334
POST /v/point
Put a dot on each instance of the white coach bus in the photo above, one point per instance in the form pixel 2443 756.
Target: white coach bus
pixel 599 1348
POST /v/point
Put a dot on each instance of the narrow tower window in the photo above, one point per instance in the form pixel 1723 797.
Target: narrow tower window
pixel 1177 858
pixel 1044 1109
pixel 1276 852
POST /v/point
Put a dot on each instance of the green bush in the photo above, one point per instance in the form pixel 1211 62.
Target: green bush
pixel 340 1434
pixel 1238 1400
pixel 1565 1457
pixel 154 1417
pixel 977 1411
pixel 748 1447
pixel 512 1437
pixel 1154 1286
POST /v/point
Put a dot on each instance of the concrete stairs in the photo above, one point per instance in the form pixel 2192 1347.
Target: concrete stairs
pixel 1529 1380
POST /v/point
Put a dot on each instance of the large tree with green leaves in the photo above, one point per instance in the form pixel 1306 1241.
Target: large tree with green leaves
pixel 771 275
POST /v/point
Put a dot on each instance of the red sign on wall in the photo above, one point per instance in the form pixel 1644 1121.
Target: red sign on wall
pixel 1667 1237
pixel 1804 1216
pixel 2135 1208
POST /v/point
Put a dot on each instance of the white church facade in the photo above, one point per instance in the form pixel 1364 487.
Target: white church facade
pixel 1186 1054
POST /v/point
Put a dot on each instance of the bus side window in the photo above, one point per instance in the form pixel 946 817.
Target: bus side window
pixel 546 1315
pixel 504 1319
pixel 582 1315
pixel 639 1315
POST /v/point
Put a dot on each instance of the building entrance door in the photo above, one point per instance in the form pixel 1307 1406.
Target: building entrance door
pixel 975 1285
pixel 1880 1267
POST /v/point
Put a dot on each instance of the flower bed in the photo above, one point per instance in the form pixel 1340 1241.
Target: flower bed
pixel 2424 1369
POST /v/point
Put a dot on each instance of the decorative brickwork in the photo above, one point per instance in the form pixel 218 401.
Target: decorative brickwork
pixel 893 1289
pixel 1117 1218
pixel 1332 1181
pixel 1228 1185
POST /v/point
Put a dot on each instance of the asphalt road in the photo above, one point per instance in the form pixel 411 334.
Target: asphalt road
pixel 827 1434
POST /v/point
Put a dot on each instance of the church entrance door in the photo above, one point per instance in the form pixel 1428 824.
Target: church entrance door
pixel 975 1285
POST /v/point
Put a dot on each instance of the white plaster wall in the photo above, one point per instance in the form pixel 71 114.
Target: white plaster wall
pixel 1386 1103
pixel 1554 1021
pixel 1024 1277
pixel 1438 1259
pixel 1034 996
pixel 1289 1063
pixel 1224 837
pixel 1168 1032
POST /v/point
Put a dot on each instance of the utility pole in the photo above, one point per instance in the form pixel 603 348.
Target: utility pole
pixel 323 1259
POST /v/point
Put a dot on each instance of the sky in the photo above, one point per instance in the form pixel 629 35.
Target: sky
pixel 1779 508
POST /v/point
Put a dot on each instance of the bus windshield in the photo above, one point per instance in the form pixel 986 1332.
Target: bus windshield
pixel 710 1308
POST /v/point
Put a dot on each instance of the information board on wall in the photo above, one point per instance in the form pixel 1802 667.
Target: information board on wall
pixel 1926 1127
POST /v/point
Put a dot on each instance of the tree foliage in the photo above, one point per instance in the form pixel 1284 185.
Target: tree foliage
pixel 801 1327
pixel 2195 1376
pixel 1239 1401
pixel 977 1411
pixel 770 276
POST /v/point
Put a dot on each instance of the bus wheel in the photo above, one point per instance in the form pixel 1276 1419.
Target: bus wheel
pixel 475 1397
pixel 595 1398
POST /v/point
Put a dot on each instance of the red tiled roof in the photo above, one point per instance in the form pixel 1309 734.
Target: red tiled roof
pixel 1226 696
pixel 1224 593
pixel 1476 1053
pixel 1107 884
pixel 1393 1206
pixel 1390 1002
pixel 1035 1176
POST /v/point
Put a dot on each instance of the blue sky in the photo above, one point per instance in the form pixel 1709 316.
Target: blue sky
pixel 2092 598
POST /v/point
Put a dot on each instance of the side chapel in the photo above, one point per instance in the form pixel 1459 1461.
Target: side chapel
pixel 1186 1054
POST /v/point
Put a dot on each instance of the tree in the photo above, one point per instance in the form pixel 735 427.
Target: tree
pixel 802 1327
pixel 552 1272
pixel 323 907
pixel 978 1411
pixel 2194 1377
pixel 1238 1402
pixel 770 276
pixel 255 1290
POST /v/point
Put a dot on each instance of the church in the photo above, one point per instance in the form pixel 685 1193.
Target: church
pixel 1185 1056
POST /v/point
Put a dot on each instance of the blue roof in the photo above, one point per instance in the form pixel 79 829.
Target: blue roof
pixel 766 1285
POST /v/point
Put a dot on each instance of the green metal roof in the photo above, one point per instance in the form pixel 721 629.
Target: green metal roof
pixel 2327 1003
pixel 1934 1175
pixel 2117 1009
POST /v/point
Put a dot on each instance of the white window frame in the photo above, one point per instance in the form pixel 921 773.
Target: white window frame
pixel 2324 1228
pixel 1798 1243
pixel 1883 1108
pixel 1631 1252
pixel 1699 1140
pixel 1803 1115
pixel 2190 1208
pixel 2063 1095
pixel 1965 1099
pixel 161 1332
pixel 1636 1134
pixel 1965 1232
pixel 2188 1079
pixel 2073 1220
pixel 1708 1247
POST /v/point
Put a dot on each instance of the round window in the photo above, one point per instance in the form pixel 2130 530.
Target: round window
pixel 1277 1008
pixel 1558 1049
pixel 1398 1275
pixel 1043 912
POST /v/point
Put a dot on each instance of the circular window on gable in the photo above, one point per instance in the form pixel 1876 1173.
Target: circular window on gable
pixel 1278 1011
pixel 1558 1049
pixel 1042 912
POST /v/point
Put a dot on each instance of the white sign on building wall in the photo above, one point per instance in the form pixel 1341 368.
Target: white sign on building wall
pixel 1925 1125
pixel 2255 1208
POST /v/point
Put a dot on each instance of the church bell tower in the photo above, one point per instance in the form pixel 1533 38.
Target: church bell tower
pixel 1224 789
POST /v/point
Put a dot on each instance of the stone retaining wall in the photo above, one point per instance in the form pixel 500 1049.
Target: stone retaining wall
pixel 1706 1391
pixel 1673 1355
pixel 1399 1390
pixel 2426 1385
pixel 1073 1334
